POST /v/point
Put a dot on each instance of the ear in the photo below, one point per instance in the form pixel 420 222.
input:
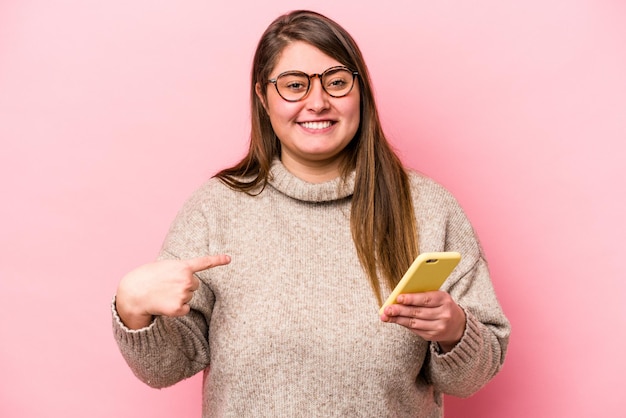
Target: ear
pixel 260 94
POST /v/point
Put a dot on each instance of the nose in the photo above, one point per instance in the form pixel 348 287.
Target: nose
pixel 317 99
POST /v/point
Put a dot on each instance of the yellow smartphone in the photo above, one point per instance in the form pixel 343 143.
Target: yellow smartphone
pixel 427 273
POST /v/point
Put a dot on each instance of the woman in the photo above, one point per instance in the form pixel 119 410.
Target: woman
pixel 319 221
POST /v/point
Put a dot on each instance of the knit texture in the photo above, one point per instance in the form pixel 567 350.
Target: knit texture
pixel 290 327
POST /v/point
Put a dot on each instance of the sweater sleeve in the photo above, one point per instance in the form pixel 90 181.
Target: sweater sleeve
pixel 480 353
pixel 168 350
pixel 171 349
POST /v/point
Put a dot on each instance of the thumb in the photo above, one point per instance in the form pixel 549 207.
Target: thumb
pixel 206 262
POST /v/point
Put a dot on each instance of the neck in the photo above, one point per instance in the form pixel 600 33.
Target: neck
pixel 314 171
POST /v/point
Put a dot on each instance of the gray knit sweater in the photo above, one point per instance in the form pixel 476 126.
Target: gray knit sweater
pixel 290 327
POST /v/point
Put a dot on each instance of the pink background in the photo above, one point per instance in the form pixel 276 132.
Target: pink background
pixel 111 113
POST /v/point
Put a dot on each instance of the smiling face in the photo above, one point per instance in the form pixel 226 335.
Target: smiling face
pixel 314 131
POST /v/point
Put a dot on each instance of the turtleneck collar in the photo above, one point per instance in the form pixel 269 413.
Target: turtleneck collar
pixel 285 182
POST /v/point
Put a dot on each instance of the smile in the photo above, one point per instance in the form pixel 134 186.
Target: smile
pixel 316 125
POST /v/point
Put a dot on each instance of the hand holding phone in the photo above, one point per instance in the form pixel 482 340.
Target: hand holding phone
pixel 426 273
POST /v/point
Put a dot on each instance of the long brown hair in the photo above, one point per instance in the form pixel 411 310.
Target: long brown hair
pixel 382 219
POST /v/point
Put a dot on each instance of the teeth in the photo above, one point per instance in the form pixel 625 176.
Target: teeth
pixel 316 125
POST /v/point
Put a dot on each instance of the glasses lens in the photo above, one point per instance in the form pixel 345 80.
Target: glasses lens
pixel 292 85
pixel 337 81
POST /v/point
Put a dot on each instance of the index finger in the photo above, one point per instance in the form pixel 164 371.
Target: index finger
pixel 426 299
pixel 206 262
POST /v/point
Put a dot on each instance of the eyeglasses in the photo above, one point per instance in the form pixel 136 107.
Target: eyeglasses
pixel 295 85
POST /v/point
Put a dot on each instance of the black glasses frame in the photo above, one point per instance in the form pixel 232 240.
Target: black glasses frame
pixel 310 78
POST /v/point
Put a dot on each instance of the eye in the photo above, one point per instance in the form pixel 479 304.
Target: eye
pixel 295 85
pixel 293 82
pixel 336 83
pixel 337 80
